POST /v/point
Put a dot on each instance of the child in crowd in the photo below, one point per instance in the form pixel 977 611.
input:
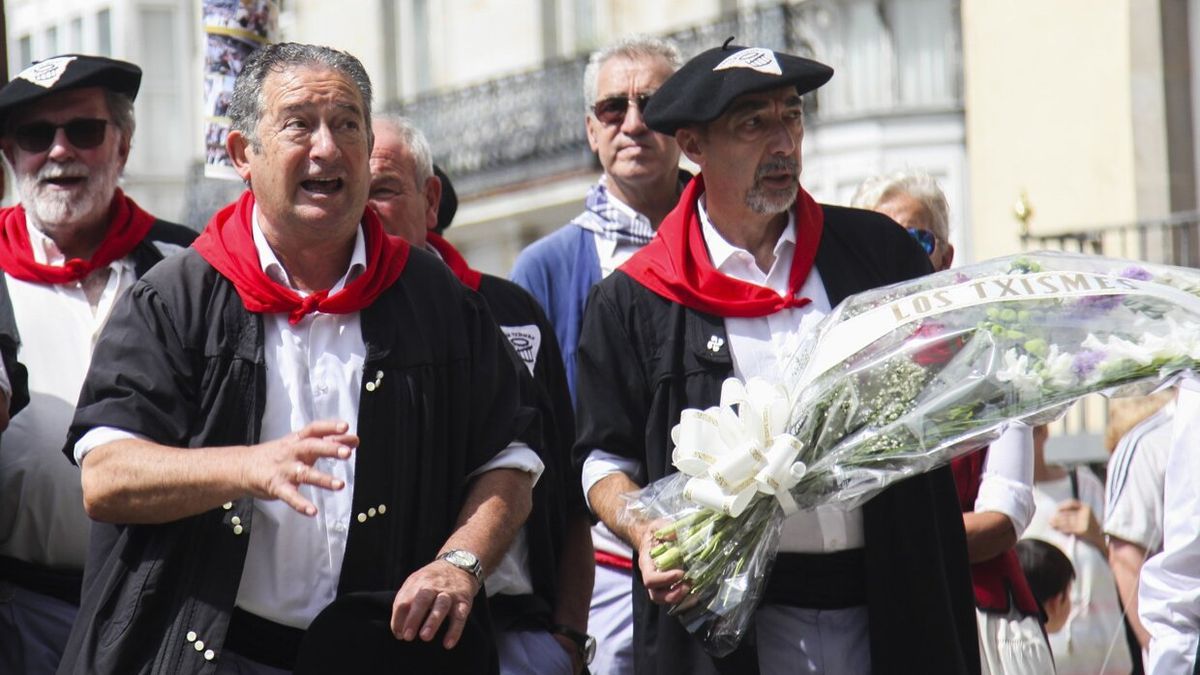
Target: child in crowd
pixel 1050 575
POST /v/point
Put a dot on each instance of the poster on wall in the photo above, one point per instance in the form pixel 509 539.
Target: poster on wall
pixel 232 29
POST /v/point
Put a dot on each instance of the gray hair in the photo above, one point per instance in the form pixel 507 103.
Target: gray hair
pixel 632 47
pixel 120 107
pixel 246 104
pixel 416 142
pixel 916 184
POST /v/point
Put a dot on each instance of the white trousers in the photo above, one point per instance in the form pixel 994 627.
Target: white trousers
pixel 610 621
pixel 797 641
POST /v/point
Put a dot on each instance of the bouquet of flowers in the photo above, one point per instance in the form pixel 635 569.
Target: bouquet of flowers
pixel 898 381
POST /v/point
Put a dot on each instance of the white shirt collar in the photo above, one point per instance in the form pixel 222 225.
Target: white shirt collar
pixel 720 251
pixel 275 270
pixel 46 252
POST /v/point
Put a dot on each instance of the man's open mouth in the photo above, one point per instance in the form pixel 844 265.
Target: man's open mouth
pixel 322 186
pixel 65 181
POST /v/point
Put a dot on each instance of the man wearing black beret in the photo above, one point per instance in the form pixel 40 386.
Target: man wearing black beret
pixel 72 247
pixel 745 264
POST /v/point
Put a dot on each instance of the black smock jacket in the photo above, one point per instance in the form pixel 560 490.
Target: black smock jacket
pixel 181 362
pixel 642 359
pixel 558 494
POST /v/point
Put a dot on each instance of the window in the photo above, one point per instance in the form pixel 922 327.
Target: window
pixel 104 32
pixel 24 52
pixel 75 35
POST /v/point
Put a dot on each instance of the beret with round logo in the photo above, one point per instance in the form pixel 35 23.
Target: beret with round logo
pixel 69 71
pixel 702 89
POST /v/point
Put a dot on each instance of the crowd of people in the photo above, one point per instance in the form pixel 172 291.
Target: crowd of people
pixel 313 439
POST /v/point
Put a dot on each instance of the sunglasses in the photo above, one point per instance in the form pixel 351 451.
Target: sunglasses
pixel 83 133
pixel 611 110
pixel 925 238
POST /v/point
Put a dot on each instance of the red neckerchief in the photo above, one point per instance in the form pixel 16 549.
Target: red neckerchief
pixel 675 264
pixel 127 226
pixel 454 260
pixel 228 245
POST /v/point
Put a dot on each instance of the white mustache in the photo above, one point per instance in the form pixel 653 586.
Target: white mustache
pixel 72 170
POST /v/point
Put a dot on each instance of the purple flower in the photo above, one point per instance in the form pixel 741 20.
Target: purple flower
pixel 1099 302
pixel 1085 362
pixel 1134 272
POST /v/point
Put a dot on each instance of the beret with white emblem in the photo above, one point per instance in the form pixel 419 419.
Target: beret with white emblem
pixel 702 89
pixel 69 71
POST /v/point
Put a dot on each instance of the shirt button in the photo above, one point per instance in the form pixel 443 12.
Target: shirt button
pixel 238 529
pixel 191 636
pixel 209 655
pixel 362 517
pixel 236 520
pixel 199 645
pixel 227 505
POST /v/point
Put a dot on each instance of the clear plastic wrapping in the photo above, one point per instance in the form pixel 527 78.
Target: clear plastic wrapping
pixel 895 382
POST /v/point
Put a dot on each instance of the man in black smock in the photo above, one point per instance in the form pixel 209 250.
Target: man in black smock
pixel 298 409
pixel 539 594
pixel 746 263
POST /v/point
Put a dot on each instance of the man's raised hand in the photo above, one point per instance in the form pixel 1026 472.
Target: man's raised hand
pixel 276 469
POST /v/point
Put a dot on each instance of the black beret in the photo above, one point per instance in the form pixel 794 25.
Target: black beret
pixel 448 205
pixel 703 88
pixel 353 635
pixel 69 71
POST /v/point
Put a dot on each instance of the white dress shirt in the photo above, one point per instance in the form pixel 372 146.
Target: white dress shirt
pixel 1007 483
pixel 313 372
pixel 1169 588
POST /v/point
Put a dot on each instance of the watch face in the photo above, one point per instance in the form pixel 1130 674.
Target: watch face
pixel 589 650
pixel 462 558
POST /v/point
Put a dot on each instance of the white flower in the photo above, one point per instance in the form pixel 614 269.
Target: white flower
pixel 1180 340
pixel 1057 368
pixel 1017 370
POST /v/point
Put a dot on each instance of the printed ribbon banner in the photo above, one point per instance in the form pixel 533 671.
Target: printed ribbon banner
pixel 852 335
pixel 232 29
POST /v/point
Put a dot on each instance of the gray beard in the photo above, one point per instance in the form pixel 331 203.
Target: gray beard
pixel 52 210
pixel 769 202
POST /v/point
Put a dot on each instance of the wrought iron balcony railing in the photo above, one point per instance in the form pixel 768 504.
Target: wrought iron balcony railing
pixel 1174 240
pixel 527 126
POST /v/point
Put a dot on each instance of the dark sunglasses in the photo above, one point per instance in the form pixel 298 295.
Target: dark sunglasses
pixel 611 110
pixel 925 238
pixel 83 133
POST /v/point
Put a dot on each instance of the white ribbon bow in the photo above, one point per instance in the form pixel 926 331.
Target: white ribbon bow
pixel 731 456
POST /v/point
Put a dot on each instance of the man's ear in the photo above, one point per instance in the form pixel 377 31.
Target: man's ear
pixel 948 259
pixel 593 130
pixel 238 148
pixel 433 199
pixel 123 149
pixel 689 142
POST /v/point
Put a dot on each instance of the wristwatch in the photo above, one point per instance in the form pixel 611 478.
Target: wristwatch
pixel 465 561
pixel 586 643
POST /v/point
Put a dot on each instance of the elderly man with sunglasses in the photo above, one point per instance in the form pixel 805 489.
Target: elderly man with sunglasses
pixel 68 251
pixel 640 185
